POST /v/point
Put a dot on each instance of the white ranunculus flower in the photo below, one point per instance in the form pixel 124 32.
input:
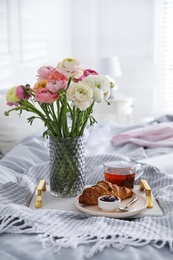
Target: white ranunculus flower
pixel 112 82
pixel 89 80
pixel 70 67
pixel 104 83
pixel 107 94
pixel 98 95
pixel 80 94
pixel 101 85
pixel 99 81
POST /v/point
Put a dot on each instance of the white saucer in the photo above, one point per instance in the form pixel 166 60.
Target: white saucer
pixel 136 208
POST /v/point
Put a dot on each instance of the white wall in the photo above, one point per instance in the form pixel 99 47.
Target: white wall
pixel 124 28
pixel 90 30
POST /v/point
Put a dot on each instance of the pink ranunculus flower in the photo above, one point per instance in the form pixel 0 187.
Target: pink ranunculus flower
pixel 90 72
pixel 12 104
pixel 55 86
pixel 23 92
pixel 44 71
pixel 45 96
pixel 85 74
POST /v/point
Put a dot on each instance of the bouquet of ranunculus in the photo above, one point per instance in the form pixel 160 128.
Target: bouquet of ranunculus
pixel 63 97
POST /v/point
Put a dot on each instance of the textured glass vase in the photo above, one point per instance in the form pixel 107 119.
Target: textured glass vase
pixel 67 166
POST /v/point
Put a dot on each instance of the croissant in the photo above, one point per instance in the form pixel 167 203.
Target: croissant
pixel 91 194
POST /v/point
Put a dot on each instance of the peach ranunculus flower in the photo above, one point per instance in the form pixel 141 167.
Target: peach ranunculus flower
pixel 70 67
pixel 11 96
pixel 44 71
pixel 40 85
pixel 56 81
pixel 45 96
pixel 56 75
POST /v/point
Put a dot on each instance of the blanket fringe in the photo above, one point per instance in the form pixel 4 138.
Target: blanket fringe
pixel 98 244
pixel 12 224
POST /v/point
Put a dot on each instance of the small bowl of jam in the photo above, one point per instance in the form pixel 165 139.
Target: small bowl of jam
pixel 109 202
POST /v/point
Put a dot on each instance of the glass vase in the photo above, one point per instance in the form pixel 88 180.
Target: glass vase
pixel 67 166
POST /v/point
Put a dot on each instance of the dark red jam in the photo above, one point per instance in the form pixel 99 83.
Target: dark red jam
pixel 109 198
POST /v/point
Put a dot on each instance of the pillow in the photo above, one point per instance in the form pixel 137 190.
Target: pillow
pixel 14 128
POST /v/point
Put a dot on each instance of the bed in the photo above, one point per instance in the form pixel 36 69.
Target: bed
pixel 56 234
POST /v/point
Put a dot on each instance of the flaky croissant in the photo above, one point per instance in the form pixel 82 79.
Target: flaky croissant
pixel 91 194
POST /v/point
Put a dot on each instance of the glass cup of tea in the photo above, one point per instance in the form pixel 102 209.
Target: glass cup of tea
pixel 122 173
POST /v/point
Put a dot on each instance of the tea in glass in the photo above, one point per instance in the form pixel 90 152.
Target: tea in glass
pixel 119 173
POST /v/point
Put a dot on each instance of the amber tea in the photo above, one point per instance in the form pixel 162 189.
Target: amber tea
pixel 121 177
pixel 122 173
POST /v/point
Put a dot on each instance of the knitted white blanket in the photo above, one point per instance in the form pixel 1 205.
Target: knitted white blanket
pixel 58 229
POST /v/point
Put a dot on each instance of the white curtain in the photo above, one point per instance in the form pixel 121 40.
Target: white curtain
pixel 167 55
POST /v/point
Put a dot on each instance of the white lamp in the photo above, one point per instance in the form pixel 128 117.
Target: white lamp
pixel 110 66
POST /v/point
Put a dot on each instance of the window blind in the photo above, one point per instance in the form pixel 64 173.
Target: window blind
pixel 167 55
pixel 32 41
pixel 5 57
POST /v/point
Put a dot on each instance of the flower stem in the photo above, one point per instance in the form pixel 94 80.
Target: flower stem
pixel 88 112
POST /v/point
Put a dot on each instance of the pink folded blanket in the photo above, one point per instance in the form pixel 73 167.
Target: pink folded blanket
pixel 158 135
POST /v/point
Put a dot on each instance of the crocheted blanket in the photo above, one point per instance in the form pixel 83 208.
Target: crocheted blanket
pixel 58 229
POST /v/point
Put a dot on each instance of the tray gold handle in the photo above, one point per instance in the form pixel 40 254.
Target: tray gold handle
pixel 41 187
pixel 144 185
